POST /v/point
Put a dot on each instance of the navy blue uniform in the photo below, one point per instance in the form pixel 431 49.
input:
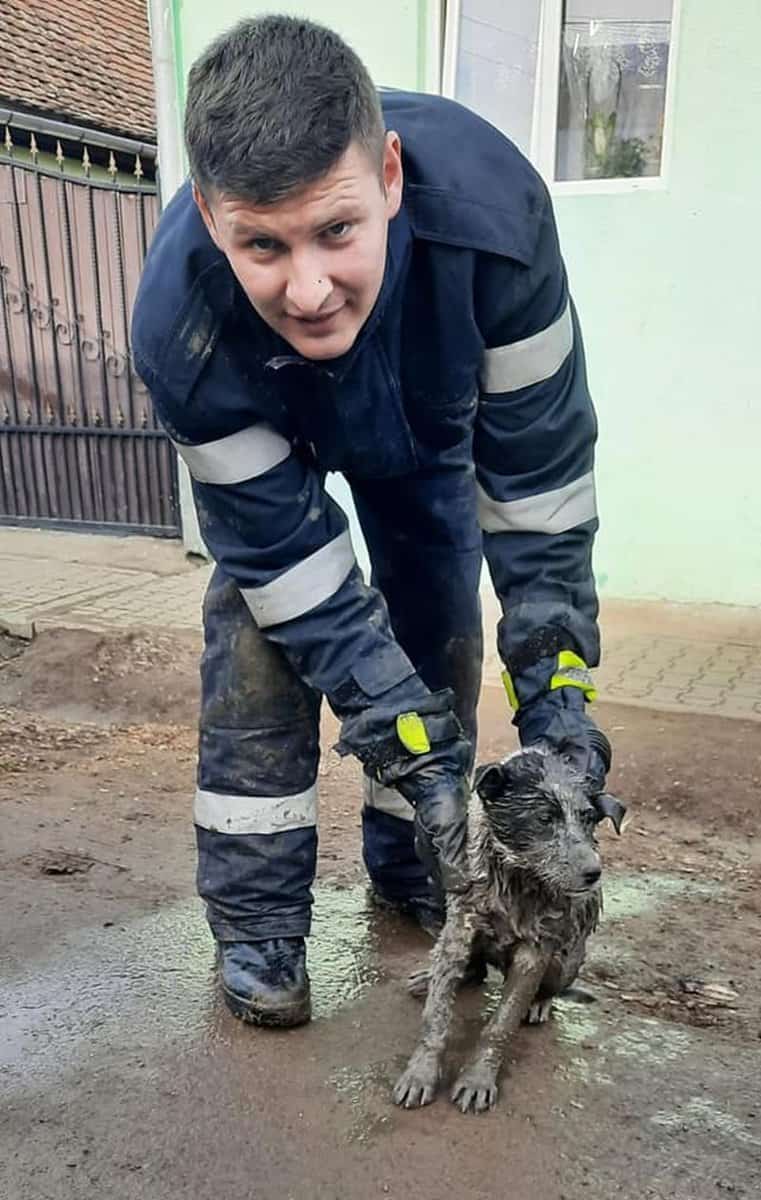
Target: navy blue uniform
pixel 462 422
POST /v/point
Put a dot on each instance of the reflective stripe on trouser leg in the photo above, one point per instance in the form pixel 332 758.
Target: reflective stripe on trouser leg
pixel 255 808
pixel 426 549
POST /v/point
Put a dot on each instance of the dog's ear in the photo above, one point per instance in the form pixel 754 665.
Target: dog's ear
pixel 489 780
pixel 608 806
pixel 520 772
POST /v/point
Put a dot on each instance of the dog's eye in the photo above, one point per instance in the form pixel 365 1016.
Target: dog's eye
pixel 545 818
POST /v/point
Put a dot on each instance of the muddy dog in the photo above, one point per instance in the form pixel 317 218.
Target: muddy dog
pixel 535 899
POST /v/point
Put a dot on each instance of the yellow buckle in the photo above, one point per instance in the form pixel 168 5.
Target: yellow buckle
pixel 412 733
pixel 510 689
pixel 573 672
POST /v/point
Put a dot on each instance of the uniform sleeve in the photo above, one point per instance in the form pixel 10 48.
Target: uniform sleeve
pixel 267 520
pixel 534 452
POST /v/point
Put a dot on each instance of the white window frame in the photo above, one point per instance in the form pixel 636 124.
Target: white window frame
pixel 546 88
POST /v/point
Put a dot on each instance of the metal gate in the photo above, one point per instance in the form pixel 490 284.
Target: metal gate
pixel 79 444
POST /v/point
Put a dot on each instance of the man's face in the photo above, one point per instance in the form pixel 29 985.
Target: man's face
pixel 312 264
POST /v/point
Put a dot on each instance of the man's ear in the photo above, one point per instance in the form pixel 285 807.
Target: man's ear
pixel 205 211
pixel 608 806
pixel 393 174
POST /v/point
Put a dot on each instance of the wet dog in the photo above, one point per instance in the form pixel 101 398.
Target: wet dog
pixel 535 898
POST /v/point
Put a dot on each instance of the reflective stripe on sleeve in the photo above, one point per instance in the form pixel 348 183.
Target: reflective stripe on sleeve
pixel 387 800
pixel 535 358
pixel 255 814
pixel 236 458
pixel 549 512
pixel 301 588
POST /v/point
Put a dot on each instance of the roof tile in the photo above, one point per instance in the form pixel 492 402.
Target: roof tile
pixel 86 61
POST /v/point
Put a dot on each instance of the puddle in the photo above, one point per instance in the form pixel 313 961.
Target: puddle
pixel 630 895
pixel 362 1092
pixel 648 1041
pixel 341 952
pixel 573 1023
pixel 149 979
pixel 642 1040
pixel 152 981
pixel 700 1115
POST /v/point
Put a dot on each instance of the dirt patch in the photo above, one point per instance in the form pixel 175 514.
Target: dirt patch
pixel 28 742
pixel 58 862
pixel 647 1091
pixel 81 676
pixel 101 808
pixel 39 744
pixel 11 647
pixel 703 769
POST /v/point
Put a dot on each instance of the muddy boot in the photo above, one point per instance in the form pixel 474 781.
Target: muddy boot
pixel 426 911
pixel 266 983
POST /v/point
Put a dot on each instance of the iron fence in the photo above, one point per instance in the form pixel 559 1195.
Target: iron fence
pixel 79 443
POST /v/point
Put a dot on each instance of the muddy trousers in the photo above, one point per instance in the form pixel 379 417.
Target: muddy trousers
pixel 256 802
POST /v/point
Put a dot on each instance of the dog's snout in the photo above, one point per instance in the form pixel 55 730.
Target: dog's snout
pixel 592 876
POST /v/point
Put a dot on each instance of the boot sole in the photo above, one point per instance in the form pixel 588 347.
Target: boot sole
pixel 275 1018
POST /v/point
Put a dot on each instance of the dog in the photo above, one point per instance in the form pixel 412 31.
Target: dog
pixel 534 899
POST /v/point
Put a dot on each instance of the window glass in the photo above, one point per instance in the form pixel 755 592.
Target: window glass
pixel 496 63
pixel 613 67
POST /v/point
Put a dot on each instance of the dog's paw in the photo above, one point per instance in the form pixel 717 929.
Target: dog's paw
pixel 539 1012
pixel 417 984
pixel 476 1089
pixel 418 1084
pixel 473 976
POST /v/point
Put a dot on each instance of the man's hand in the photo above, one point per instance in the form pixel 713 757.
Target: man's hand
pixel 430 768
pixel 440 801
pixel 558 719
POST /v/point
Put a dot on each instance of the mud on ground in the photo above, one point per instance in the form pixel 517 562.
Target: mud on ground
pixel 649 1090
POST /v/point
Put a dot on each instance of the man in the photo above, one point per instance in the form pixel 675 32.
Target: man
pixel 373 288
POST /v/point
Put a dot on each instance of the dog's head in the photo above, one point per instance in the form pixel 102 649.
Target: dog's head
pixel 544 819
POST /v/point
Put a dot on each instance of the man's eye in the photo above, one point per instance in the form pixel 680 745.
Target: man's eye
pixel 339 230
pixel 263 245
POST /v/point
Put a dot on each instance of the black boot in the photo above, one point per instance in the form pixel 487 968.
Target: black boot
pixel 266 983
pixel 427 911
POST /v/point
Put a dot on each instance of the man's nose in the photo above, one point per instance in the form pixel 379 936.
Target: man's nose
pixel 308 286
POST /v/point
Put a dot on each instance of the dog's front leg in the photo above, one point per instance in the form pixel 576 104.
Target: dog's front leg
pixel 449 959
pixel 476 1087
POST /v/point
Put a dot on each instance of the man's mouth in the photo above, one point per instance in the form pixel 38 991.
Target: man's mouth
pixel 318 319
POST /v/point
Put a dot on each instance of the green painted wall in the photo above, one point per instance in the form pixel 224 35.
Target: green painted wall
pixel 389 37
pixel 668 287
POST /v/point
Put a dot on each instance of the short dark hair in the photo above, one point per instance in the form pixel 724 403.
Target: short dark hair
pixel 273 104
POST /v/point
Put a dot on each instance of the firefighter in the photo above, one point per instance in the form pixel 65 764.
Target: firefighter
pixel 368 283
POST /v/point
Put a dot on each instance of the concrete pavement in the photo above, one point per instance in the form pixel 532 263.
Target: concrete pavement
pixel 675 657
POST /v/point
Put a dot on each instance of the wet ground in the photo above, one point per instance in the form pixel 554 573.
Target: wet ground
pixel 122 1075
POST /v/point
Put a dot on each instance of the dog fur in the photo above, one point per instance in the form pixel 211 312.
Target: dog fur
pixel 534 900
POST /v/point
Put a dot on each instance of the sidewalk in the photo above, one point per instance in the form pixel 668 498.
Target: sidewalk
pixel 683 658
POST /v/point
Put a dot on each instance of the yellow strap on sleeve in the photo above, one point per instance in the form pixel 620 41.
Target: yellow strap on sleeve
pixel 567 658
pixel 573 672
pixel 510 689
pixel 412 733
